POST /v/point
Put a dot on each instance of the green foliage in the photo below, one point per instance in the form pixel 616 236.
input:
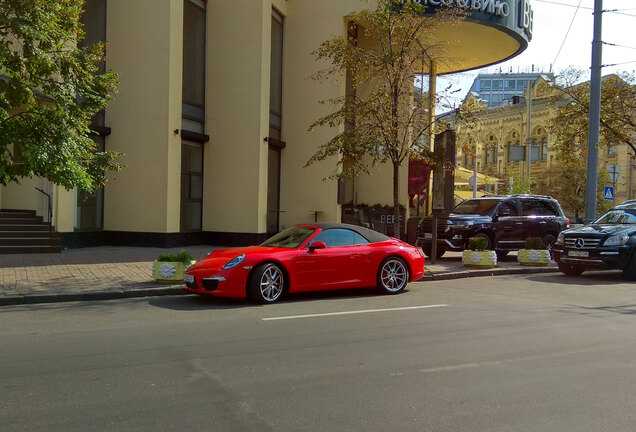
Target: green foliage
pixel 567 184
pixel 534 243
pixel 521 185
pixel 183 257
pixel 52 90
pixel 571 100
pixel 477 243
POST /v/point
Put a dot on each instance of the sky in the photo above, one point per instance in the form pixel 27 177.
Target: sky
pixel 552 18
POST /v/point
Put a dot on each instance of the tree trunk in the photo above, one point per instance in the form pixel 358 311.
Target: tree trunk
pixel 397 225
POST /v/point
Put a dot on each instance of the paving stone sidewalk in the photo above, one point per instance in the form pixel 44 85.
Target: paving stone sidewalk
pixel 108 272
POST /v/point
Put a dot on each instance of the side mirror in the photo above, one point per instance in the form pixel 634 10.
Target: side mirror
pixel 317 245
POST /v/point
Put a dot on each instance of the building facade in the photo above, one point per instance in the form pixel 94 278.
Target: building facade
pixel 212 117
pixel 498 88
pixel 497 145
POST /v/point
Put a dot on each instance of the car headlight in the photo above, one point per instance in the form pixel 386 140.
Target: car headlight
pixel 463 224
pixel 616 240
pixel 234 262
pixel 560 239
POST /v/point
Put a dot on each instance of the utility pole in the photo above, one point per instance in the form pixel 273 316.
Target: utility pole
pixel 529 134
pixel 595 115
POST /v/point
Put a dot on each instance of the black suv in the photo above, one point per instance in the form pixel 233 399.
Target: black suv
pixel 607 243
pixel 506 221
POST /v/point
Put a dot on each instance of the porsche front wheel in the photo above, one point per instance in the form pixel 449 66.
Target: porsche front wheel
pixel 393 275
pixel 266 283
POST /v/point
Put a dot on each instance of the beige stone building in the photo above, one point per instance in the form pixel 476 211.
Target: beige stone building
pixel 496 145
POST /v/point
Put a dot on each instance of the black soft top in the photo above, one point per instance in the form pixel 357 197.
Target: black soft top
pixel 367 233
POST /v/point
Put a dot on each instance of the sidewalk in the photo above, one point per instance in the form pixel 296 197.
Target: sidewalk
pixel 109 272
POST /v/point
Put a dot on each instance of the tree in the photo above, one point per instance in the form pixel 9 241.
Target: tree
pixel 379 118
pixel 566 182
pixel 571 100
pixel 50 89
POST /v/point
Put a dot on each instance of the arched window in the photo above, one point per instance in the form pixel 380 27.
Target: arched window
pixel 544 148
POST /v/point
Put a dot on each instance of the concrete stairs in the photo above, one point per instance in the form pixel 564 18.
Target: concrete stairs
pixel 21 231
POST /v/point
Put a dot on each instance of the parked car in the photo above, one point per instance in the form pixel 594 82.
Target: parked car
pixel 505 221
pixel 310 257
pixel 607 243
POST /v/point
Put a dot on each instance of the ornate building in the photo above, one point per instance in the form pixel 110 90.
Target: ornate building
pixel 495 143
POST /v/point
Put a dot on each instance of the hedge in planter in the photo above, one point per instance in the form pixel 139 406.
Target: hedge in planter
pixel 535 253
pixel 169 267
pixel 477 256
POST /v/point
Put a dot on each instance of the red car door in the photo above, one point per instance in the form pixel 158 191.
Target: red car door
pixel 338 265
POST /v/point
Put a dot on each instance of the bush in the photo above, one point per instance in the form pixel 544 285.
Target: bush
pixel 477 243
pixel 183 257
pixel 534 243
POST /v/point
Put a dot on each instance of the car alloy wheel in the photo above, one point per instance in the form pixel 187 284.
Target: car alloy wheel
pixel 393 275
pixel 267 283
pixel 548 241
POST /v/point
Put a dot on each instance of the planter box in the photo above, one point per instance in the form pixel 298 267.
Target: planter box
pixel 169 271
pixel 482 259
pixel 533 257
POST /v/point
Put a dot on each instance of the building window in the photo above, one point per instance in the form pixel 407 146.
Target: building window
pixel 191 185
pixel 516 152
pixel 89 209
pixel 534 150
pixel 485 84
pixel 193 114
pixel 612 150
pixel 544 148
pixel 193 81
pixel 275 124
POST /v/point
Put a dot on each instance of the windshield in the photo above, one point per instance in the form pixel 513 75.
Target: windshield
pixel 476 206
pixel 291 238
pixel 616 216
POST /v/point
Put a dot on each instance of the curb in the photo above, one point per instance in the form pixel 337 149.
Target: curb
pixel 29 299
pixel 24 299
pixel 488 272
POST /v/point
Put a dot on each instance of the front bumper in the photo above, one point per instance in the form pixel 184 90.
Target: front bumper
pixel 456 244
pixel 226 283
pixel 599 258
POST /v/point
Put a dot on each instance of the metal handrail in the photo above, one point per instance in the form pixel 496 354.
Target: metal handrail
pixel 50 208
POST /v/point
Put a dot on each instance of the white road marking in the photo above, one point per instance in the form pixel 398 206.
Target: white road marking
pixel 352 312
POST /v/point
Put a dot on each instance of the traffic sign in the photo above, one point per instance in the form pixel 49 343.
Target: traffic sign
pixel 613 171
pixel 609 193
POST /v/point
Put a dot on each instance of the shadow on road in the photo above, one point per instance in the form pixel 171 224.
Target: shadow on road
pixel 200 302
pixel 613 277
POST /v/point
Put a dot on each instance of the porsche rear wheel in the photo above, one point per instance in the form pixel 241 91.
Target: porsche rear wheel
pixel 393 275
pixel 267 283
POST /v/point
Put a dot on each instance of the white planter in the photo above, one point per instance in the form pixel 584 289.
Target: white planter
pixel 482 259
pixel 533 257
pixel 169 271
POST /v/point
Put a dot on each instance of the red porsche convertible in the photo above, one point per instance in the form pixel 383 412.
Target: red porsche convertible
pixel 309 257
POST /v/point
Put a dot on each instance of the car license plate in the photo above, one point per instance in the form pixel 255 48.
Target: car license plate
pixel 584 254
pixel 188 278
pixel 428 235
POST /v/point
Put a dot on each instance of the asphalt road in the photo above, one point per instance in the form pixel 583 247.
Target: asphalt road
pixel 509 353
